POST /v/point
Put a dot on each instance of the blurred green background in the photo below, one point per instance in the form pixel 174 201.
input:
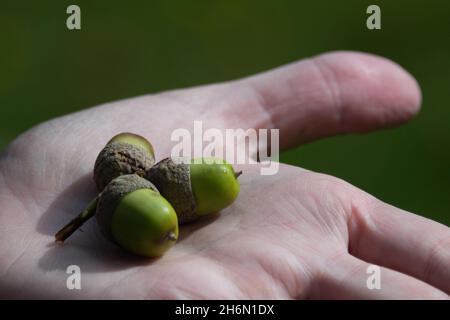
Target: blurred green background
pixel 136 47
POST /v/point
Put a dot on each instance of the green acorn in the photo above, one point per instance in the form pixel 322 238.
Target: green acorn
pixel 125 153
pixel 203 187
pixel 131 212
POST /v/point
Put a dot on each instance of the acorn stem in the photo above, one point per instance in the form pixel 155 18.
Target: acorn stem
pixel 76 223
pixel 237 174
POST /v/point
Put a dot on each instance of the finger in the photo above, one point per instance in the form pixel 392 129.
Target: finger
pixel 351 278
pixel 329 94
pixel 403 241
pixel 333 93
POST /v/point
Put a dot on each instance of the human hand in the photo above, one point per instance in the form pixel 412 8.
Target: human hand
pixel 296 234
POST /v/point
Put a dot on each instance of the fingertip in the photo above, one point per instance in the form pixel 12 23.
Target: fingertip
pixel 329 94
pixel 376 91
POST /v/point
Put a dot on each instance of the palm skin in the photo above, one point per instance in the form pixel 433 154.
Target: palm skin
pixel 296 234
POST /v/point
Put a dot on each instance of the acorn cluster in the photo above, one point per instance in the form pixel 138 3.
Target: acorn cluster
pixel 140 204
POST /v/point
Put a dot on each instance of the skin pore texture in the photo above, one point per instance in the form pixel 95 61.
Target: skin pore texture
pixel 297 234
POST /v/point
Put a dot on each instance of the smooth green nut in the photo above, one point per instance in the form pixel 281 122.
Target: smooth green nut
pixel 125 153
pixel 145 223
pixel 133 214
pixel 215 186
pixel 201 188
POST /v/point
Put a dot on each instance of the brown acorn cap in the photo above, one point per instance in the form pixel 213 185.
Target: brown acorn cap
pixel 112 194
pixel 120 158
pixel 174 183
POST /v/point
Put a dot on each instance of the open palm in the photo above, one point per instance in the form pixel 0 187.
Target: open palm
pixel 296 234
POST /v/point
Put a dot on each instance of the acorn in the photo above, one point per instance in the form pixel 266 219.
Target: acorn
pixel 196 189
pixel 131 212
pixel 125 153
